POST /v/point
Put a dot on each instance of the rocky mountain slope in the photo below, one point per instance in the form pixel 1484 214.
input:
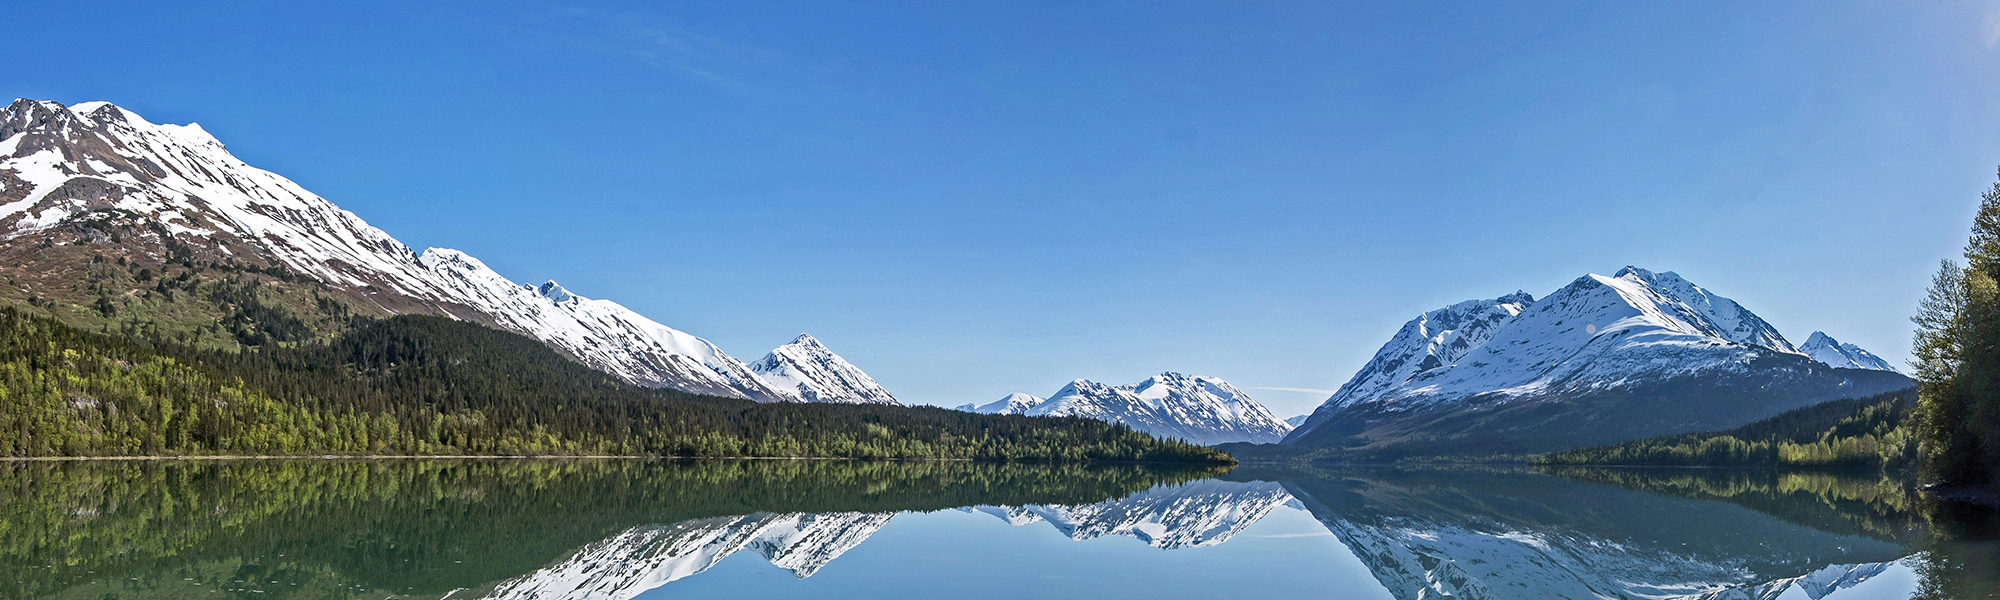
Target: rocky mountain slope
pixel 115 223
pixel 1602 360
pixel 816 374
pixel 1822 347
pixel 1202 410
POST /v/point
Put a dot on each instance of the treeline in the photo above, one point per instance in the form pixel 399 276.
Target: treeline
pixel 1878 431
pixel 427 385
pixel 1957 359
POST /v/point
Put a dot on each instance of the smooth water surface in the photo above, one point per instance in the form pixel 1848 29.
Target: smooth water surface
pixel 548 529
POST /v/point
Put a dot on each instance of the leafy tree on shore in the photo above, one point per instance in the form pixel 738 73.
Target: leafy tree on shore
pixel 1957 359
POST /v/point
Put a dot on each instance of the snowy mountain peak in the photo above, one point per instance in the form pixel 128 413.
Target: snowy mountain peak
pixel 96 160
pixel 1631 330
pixel 554 292
pixel 1013 404
pixel 1433 339
pixel 1202 410
pixel 1824 348
pixel 816 374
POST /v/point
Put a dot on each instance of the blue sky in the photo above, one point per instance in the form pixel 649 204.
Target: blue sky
pixel 970 199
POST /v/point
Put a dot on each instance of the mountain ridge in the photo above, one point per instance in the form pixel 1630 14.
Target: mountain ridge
pixel 1198 409
pixel 173 198
pixel 1601 360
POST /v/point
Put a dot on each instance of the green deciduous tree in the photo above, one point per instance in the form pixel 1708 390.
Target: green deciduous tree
pixel 1956 358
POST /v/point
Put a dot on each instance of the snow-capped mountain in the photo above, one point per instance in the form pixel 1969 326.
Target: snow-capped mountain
pixel 816 374
pixel 1822 347
pixel 1298 420
pixel 1202 410
pixel 1013 404
pixel 179 187
pixel 1192 515
pixel 639 559
pixel 1432 340
pixel 1603 359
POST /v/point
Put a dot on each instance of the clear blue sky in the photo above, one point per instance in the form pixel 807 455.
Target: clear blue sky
pixel 973 199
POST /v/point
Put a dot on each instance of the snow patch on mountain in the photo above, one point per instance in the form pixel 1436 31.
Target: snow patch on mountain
pixel 813 372
pixel 1202 410
pixel 1822 347
pixel 1013 404
pixel 1598 332
pixel 64 162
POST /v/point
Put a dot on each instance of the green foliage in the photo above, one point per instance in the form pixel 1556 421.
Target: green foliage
pixel 1877 432
pixel 1957 359
pixel 416 385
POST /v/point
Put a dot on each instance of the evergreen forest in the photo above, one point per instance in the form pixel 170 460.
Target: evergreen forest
pixel 1877 432
pixel 420 385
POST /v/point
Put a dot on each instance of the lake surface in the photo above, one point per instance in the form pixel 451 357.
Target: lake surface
pixel 548 529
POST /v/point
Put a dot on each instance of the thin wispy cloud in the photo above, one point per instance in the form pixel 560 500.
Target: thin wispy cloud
pixel 1293 389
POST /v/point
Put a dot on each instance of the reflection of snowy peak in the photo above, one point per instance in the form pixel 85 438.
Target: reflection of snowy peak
pixel 803 544
pixel 1822 347
pixel 1204 513
pixel 816 374
pixel 1202 410
pixel 636 560
pixel 1815 585
pixel 1415 561
pixel 71 164
pixel 642 558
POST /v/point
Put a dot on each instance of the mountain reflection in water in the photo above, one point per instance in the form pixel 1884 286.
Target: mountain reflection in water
pixel 547 529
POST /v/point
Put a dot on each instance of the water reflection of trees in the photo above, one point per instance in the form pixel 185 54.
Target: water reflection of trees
pixel 428 527
pixel 1958 544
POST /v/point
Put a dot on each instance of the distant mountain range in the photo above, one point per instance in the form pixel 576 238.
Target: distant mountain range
pixel 1202 410
pixel 1602 360
pixel 94 174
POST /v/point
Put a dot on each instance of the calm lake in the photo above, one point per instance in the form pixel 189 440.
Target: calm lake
pixel 548 529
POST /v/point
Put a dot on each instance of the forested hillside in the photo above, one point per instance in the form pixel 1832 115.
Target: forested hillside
pixel 1877 431
pixel 428 385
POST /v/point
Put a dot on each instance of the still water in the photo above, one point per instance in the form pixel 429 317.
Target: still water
pixel 549 529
